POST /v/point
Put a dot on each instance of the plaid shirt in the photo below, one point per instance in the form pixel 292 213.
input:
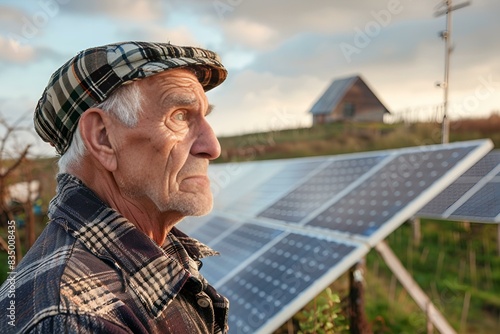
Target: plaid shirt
pixel 92 271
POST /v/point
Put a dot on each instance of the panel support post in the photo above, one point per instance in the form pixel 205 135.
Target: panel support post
pixel 358 321
pixel 417 234
pixel 498 239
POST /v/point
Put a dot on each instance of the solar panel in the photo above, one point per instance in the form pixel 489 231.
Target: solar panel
pixel 474 196
pixel 286 229
pixel 273 280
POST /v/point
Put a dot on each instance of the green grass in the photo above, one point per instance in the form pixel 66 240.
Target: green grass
pixel 443 265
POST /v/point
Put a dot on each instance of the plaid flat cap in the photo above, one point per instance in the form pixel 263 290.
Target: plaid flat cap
pixel 91 76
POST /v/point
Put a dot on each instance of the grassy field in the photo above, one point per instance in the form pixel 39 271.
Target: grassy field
pixel 454 262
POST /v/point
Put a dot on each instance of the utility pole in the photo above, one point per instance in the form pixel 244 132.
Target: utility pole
pixel 446 7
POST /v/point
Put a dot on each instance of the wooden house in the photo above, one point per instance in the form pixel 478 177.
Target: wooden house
pixel 348 99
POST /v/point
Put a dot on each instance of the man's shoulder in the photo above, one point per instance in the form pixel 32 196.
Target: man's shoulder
pixel 46 259
pixel 34 284
pixel 51 278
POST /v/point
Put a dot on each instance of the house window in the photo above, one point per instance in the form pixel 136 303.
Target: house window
pixel 349 110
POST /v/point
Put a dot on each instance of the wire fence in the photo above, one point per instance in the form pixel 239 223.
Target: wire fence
pixel 420 114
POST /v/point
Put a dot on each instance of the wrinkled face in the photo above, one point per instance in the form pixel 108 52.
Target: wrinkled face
pixel 163 161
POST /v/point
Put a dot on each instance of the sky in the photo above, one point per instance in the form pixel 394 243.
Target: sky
pixel 281 55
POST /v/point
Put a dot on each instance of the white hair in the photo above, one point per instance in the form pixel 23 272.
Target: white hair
pixel 124 104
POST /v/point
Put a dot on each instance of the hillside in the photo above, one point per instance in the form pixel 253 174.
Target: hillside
pixel 341 138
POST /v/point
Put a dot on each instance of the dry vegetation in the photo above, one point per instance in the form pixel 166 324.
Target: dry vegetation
pixel 342 138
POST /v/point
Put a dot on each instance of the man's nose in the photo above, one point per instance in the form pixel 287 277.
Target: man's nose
pixel 206 144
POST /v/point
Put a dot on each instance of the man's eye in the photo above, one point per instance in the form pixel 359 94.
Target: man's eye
pixel 180 116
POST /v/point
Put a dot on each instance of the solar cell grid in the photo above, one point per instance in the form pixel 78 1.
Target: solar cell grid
pixel 322 186
pixel 236 247
pixel 485 204
pixel 444 200
pixel 483 166
pixel 277 276
pixel 274 187
pixel 213 228
pixel 472 197
pixel 381 196
pixel 232 181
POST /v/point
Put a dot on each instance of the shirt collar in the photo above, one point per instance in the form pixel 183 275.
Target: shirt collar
pixel 155 274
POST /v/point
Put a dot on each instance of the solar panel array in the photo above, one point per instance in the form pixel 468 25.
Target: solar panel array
pixel 286 229
pixel 474 196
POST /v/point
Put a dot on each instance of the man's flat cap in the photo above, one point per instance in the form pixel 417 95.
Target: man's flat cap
pixel 91 76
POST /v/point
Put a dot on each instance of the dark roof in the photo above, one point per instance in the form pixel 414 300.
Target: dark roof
pixel 333 95
pixel 336 92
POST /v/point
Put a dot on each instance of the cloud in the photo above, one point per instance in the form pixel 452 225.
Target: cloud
pixel 250 34
pixel 134 10
pixel 310 42
pixel 10 18
pixel 15 52
pixel 304 53
pixel 13 25
pixel 320 16
pixel 179 35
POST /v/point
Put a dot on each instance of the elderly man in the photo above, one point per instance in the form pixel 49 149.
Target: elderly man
pixel 129 121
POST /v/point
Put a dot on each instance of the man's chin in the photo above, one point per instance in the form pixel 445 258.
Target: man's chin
pixel 194 206
pixel 203 211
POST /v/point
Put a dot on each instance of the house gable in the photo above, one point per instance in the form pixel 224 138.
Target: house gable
pixel 348 99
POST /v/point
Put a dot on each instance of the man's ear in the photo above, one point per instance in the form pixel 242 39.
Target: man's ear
pixel 94 127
